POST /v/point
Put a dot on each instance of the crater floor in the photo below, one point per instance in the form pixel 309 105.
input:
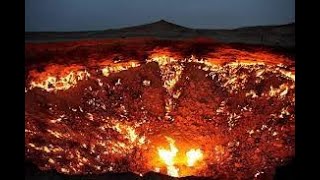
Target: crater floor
pixel 236 107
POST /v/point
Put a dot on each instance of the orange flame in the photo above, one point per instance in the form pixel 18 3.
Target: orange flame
pixel 115 68
pixel 58 77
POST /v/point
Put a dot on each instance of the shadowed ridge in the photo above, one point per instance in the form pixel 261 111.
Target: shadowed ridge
pixel 160 25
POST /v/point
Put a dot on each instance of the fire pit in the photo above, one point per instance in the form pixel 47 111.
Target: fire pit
pixel 227 114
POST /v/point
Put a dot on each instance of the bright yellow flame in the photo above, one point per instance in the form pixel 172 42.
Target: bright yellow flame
pixel 53 83
pixel 193 156
pixel 115 68
pixel 288 74
pixel 281 92
pixel 167 156
pixel 129 133
pixel 173 171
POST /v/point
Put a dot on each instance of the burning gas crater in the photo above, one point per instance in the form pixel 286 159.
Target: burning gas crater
pixel 177 116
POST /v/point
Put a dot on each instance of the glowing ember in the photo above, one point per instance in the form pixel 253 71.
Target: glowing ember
pixel 193 156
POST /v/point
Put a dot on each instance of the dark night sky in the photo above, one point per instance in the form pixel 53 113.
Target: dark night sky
pixel 77 15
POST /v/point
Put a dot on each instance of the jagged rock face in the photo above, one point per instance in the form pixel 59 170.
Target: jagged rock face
pixel 208 117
